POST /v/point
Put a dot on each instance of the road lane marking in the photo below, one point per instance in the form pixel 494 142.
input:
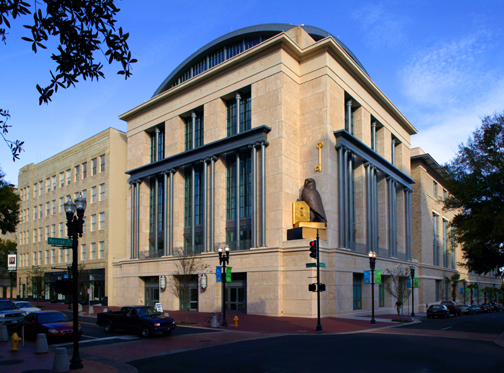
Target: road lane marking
pixel 447 328
pixel 124 338
pixel 88 336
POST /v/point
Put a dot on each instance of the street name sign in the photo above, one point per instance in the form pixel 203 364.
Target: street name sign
pixel 54 241
pixel 311 265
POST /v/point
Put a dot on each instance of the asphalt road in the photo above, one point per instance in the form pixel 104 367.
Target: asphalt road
pixel 486 323
pixel 361 352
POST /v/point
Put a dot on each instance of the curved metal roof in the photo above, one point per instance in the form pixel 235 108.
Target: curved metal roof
pixel 266 29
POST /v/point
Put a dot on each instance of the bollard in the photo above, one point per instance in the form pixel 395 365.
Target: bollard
pixel 79 309
pixel 91 310
pixel 14 342
pixel 61 363
pixel 4 335
pixel 41 346
pixel 214 323
pixel 235 320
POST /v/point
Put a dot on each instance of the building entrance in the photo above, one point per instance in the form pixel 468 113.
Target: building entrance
pixel 151 291
pixel 236 294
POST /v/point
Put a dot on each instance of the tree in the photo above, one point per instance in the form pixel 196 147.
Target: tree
pixel 453 281
pixel 83 28
pixel 472 287
pixel 476 182
pixel 35 282
pixel 188 267
pixel 396 284
pixel 9 207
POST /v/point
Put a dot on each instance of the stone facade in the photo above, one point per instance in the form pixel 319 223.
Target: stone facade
pixel 45 186
pixel 300 88
pixel 438 256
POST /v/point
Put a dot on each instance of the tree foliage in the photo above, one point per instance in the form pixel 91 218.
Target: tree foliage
pixel 9 207
pixel 396 284
pixel 453 281
pixel 476 182
pixel 83 27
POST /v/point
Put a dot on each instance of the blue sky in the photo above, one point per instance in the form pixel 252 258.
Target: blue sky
pixel 440 62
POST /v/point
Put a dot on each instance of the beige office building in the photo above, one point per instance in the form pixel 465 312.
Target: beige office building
pixel 221 152
pixel 94 168
pixel 438 255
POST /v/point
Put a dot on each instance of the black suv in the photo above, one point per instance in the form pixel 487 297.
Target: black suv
pixel 9 314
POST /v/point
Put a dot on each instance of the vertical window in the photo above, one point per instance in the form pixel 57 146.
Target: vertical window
pixel 245 110
pixel 41 238
pixel 84 170
pixel 393 150
pixel 445 194
pixel 48 184
pixel 438 290
pixel 445 243
pixel 454 251
pixel 357 291
pixel 48 208
pixel 54 182
pixel 67 256
pixel 198 207
pixel 350 107
pixel 47 231
pixel 374 126
pixel 35 237
pixel 93 250
pixel 53 229
pixel 435 233
pixel 93 223
pixel 77 173
pixel 69 176
pixel 381 295
pixel 35 190
pixel 102 163
pixel 35 212
pixel 61 253
pixel 84 194
pixel 61 230
pixel 434 189
pixel 83 252
pixel 102 192
pixel 41 189
pixel 41 212
pixel 35 258
pixel 62 204
pixel 62 179
pixel 198 134
pixel 95 165
pixel 93 194
pixel 53 206
pixel 102 250
pixel 102 220
pixel 53 256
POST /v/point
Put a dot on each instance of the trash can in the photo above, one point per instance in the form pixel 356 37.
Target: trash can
pixel 213 322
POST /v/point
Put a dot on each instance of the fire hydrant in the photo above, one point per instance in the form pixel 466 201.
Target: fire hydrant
pixel 14 341
pixel 235 320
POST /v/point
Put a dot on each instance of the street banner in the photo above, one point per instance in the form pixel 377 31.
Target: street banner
pixel 11 260
pixel 228 274
pixel 367 277
pixel 377 277
pixel 218 273
pixel 408 283
pixel 415 283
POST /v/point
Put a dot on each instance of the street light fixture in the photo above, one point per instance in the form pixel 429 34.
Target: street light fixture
pixel 412 271
pixel 223 260
pixel 372 265
pixel 74 225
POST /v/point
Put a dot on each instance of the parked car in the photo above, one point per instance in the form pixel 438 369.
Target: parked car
pixel 495 307
pixel 453 307
pixel 138 319
pixel 54 324
pixel 9 314
pixel 25 306
pixel 486 308
pixel 467 310
pixel 476 308
pixel 438 310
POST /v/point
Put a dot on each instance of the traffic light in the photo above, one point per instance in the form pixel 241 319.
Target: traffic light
pixel 312 287
pixel 313 249
pixel 322 287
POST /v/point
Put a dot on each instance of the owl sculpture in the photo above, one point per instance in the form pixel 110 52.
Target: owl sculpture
pixel 312 197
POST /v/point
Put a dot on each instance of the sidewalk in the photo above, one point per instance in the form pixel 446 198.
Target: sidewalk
pixel 114 357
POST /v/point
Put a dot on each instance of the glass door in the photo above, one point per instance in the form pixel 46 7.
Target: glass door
pixel 235 299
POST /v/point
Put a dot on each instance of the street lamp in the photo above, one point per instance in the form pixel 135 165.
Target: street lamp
pixel 223 260
pixel 372 265
pixel 74 225
pixel 412 271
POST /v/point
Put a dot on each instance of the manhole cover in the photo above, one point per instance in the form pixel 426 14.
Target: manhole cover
pixel 11 362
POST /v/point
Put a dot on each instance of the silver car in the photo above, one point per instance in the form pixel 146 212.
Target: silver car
pixel 9 314
pixel 26 306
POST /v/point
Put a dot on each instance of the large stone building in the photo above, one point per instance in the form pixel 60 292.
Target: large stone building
pixel 94 168
pixel 221 152
pixel 438 256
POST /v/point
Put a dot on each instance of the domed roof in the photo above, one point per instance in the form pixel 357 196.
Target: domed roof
pixel 235 42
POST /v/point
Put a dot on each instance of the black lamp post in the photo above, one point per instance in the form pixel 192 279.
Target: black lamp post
pixel 372 265
pixel 412 271
pixel 223 260
pixel 74 225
